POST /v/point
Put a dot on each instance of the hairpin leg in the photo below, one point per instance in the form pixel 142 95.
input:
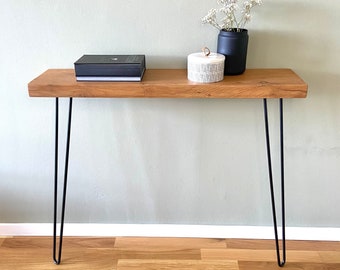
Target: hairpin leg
pixel 282 262
pixel 57 259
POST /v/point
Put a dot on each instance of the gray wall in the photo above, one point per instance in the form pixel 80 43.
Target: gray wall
pixel 168 161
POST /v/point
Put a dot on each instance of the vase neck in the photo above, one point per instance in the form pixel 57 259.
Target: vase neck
pixel 234 30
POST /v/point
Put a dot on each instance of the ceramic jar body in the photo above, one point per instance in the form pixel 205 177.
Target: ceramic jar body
pixel 234 46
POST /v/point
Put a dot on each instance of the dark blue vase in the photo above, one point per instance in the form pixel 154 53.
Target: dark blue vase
pixel 233 45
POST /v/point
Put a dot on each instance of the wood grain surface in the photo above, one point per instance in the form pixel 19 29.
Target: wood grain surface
pixel 173 83
pixel 132 253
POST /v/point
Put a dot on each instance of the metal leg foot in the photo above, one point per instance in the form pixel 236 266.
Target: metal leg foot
pixel 57 259
pixel 281 262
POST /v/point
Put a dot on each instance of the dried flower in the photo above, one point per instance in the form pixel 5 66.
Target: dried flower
pixel 231 15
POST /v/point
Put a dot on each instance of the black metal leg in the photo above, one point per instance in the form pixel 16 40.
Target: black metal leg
pixel 56 259
pixel 282 262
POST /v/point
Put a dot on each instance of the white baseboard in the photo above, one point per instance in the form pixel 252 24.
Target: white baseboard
pixel 161 230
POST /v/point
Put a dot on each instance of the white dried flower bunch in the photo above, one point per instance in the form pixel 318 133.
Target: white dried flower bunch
pixel 232 17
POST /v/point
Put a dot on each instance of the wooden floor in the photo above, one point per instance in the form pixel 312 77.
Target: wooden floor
pixel 124 253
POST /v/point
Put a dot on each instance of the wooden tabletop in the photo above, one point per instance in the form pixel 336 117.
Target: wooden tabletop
pixel 173 83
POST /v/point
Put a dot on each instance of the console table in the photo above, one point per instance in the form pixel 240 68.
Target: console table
pixel 172 83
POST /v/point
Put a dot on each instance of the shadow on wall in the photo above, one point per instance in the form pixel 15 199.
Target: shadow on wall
pixel 290 34
pixel 286 49
pixel 14 202
pixel 166 62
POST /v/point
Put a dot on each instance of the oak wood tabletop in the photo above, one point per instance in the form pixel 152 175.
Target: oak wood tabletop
pixel 173 83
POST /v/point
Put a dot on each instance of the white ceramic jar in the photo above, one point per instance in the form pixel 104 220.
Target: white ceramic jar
pixel 206 67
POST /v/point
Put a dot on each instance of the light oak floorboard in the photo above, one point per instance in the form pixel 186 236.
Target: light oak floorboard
pixel 147 243
pixel 260 255
pixel 176 264
pixel 291 245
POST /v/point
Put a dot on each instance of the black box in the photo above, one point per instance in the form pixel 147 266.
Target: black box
pixel 110 67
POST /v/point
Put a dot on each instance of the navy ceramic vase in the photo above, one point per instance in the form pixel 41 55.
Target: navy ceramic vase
pixel 233 45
